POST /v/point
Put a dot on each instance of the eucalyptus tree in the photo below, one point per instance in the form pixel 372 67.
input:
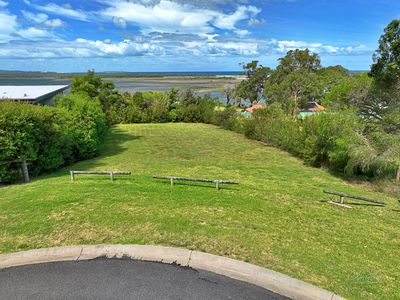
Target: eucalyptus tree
pixel 253 86
pixel 295 80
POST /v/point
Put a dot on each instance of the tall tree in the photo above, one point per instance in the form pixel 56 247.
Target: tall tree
pixel 294 81
pixel 384 97
pixel 386 67
pixel 110 99
pixel 298 61
pixel 252 88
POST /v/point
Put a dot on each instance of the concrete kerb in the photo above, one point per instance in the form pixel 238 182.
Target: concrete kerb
pixel 268 279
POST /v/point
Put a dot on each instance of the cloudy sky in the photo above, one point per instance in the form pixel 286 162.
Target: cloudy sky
pixel 186 35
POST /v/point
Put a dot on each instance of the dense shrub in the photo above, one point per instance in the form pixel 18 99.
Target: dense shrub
pixel 48 137
pixel 195 109
pixel 87 124
pixel 102 91
pixel 273 127
pixel 374 152
pixel 327 138
pixel 341 141
pixel 229 118
pixel 35 134
pixel 157 107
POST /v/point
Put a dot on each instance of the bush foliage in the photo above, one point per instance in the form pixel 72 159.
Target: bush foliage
pixel 48 137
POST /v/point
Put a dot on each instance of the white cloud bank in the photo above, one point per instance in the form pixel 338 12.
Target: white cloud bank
pixel 173 17
pixel 285 46
pixel 79 48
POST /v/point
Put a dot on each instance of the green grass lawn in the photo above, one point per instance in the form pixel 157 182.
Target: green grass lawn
pixel 275 218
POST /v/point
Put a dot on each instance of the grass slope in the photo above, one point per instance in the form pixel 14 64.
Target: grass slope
pixel 275 218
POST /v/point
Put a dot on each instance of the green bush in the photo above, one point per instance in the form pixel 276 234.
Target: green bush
pixel 340 141
pixel 327 138
pixel 35 134
pixel 156 107
pixel 87 124
pixel 48 137
pixel 273 127
pixel 228 118
pixel 196 109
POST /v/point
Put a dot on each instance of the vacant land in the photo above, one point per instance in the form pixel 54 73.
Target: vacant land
pixel 274 218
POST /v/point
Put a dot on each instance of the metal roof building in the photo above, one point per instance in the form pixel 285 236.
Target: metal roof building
pixel 35 94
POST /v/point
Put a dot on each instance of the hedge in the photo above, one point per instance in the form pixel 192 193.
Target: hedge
pixel 48 137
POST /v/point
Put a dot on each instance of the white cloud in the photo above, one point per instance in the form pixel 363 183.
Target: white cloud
pixel 256 22
pixel 119 22
pixel 42 19
pixel 33 33
pixel 284 46
pixel 242 13
pixel 3 3
pixel 53 23
pixel 242 32
pixel 36 18
pixel 8 26
pixel 199 48
pixel 124 48
pixel 56 9
pixel 170 16
pixel 10 29
pixel 79 48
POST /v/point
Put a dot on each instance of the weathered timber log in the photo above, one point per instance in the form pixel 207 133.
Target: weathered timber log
pixel 216 182
pixel 73 173
pixel 343 195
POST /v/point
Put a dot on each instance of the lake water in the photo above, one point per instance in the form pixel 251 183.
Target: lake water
pixel 129 84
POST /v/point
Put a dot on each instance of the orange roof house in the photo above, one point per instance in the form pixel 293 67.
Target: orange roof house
pixel 310 108
pixel 254 107
pixel 313 106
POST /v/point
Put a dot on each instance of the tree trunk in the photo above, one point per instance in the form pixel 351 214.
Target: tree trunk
pixel 25 171
pixel 295 96
pixel 398 174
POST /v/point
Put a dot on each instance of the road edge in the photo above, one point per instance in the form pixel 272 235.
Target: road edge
pixel 268 279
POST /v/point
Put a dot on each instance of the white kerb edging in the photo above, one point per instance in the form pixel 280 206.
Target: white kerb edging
pixel 268 279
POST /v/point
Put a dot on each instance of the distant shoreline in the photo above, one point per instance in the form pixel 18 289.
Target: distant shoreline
pixel 55 75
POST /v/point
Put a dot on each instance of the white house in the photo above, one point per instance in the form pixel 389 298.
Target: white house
pixel 35 94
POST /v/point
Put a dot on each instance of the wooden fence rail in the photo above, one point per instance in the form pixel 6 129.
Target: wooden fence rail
pixel 216 182
pixel 343 195
pixel 73 173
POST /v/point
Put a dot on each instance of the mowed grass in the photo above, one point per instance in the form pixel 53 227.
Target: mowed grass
pixel 275 218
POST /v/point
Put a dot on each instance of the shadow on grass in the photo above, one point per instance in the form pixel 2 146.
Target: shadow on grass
pixel 113 145
pixel 102 178
pixel 353 203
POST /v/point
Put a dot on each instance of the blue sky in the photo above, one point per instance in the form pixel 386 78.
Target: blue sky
pixel 186 35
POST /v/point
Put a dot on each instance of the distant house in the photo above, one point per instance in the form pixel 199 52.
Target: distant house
pixel 254 107
pixel 310 108
pixel 34 94
pixel 249 111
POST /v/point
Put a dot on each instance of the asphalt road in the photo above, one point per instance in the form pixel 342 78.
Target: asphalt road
pixel 121 279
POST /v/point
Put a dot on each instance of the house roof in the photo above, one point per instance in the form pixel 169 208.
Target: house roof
pixel 255 106
pixel 29 92
pixel 314 106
